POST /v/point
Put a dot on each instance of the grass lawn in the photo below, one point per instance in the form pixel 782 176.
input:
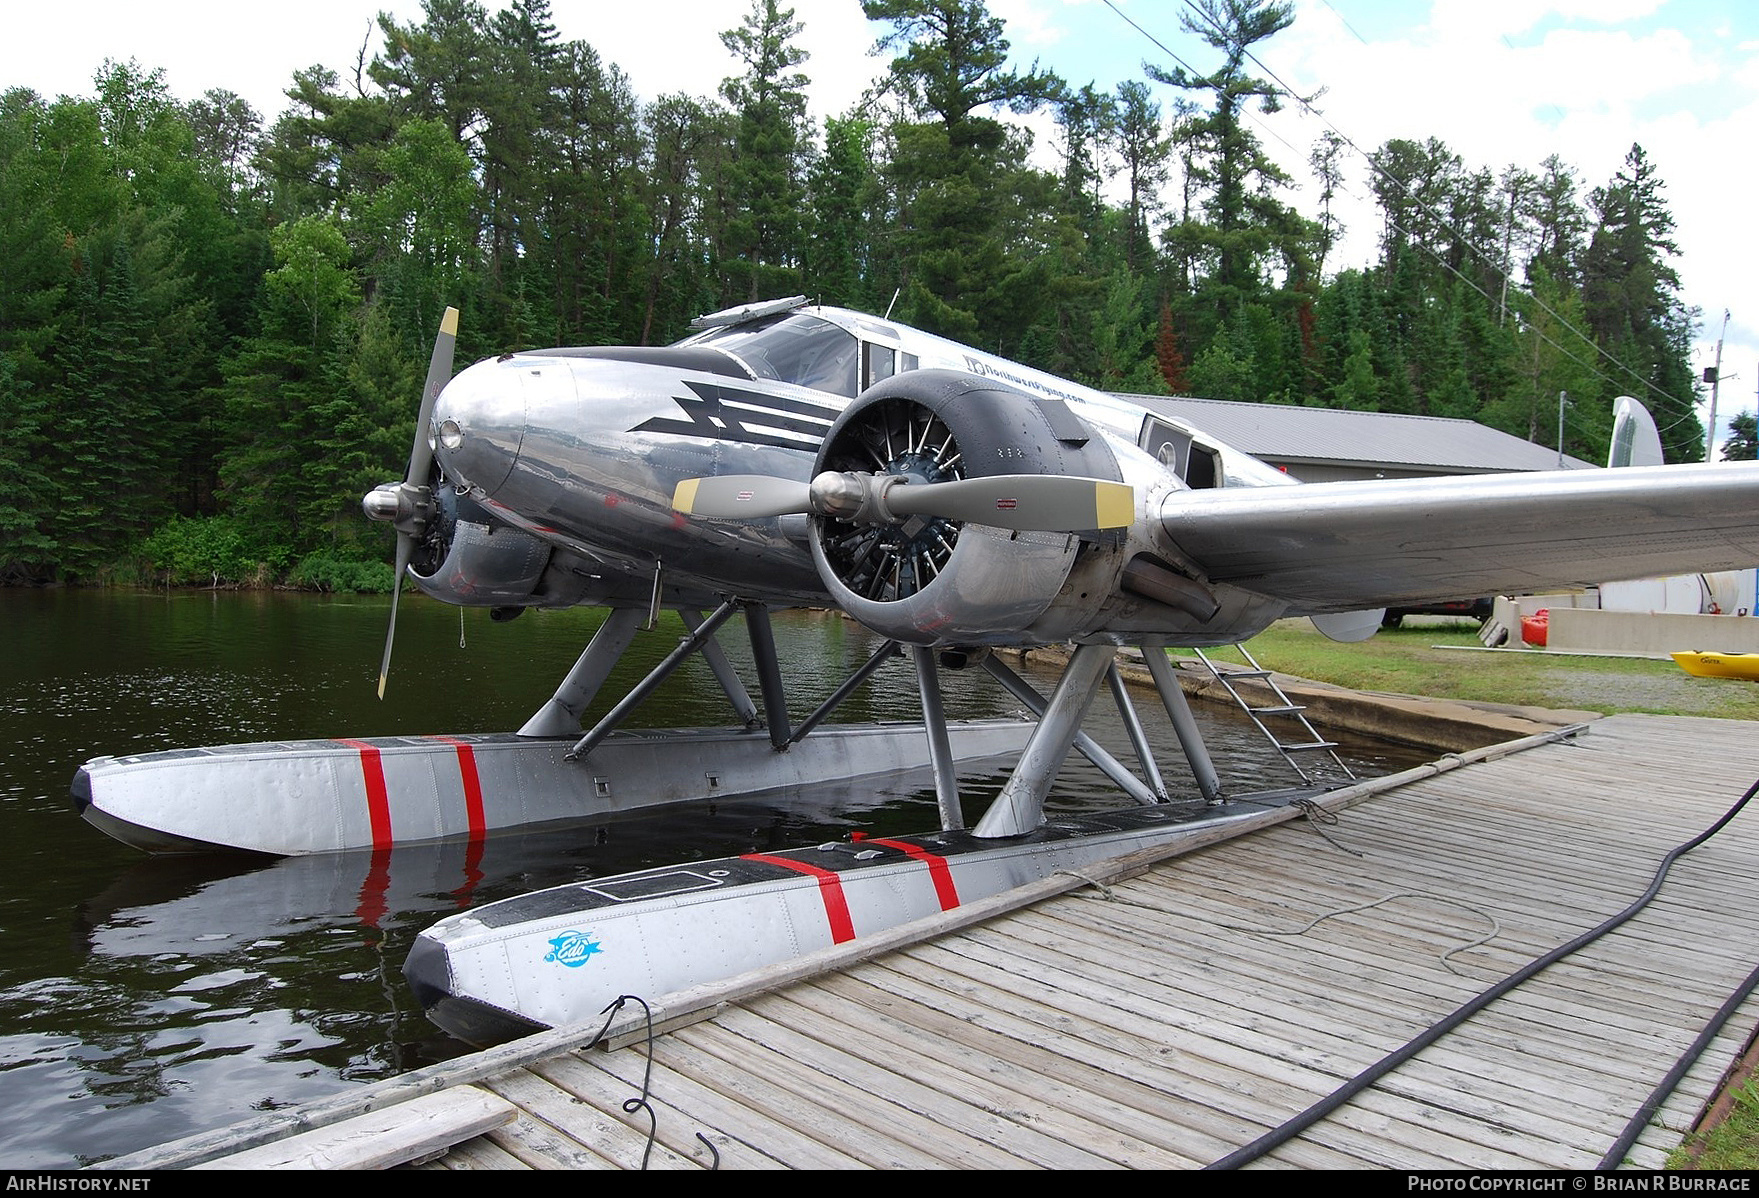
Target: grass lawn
pixel 1732 1143
pixel 1442 659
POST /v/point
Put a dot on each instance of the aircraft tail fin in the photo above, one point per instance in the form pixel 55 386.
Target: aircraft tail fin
pixel 1635 441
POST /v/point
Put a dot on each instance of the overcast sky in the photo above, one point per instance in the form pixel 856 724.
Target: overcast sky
pixel 1500 81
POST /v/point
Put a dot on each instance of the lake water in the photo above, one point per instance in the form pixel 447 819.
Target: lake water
pixel 145 999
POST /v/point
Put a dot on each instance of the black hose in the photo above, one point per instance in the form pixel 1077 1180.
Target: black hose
pixel 1646 1112
pixel 1337 1098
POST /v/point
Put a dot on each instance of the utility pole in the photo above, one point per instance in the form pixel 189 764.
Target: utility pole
pixel 1713 376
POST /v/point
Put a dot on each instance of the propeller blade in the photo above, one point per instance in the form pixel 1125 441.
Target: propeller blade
pixel 1023 502
pixel 421 454
pixel 405 550
pixel 741 497
pixel 421 459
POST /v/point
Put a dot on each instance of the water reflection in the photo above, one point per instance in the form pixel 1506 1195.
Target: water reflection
pixel 145 999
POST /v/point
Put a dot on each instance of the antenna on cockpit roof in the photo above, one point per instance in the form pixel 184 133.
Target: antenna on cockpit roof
pixel 895 294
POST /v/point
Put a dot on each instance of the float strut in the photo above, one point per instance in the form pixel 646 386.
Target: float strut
pixel 881 655
pixel 1089 748
pixel 561 715
pixel 686 646
pixel 1019 809
pixel 1184 724
pixel 769 673
pixel 716 657
pixel 940 748
pixel 1138 737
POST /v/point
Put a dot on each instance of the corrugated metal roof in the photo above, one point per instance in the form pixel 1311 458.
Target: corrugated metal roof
pixel 1283 433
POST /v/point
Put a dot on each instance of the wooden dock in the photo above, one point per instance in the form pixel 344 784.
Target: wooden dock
pixel 1165 1020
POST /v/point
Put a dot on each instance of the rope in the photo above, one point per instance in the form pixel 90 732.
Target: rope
pixel 640 1101
pixel 1317 817
pixel 1094 882
pixel 1495 927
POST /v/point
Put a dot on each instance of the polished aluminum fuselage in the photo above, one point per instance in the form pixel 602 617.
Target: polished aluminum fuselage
pixel 565 449
pixel 585 453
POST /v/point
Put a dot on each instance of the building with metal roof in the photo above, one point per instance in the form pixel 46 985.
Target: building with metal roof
pixel 1330 444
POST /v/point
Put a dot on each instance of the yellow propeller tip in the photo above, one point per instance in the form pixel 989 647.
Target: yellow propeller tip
pixel 684 497
pixel 1115 505
pixel 449 322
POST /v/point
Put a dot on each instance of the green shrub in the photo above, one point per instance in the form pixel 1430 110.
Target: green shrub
pixel 324 571
pixel 211 551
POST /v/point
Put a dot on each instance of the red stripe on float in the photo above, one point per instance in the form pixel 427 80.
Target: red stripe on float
pixel 378 801
pixel 473 790
pixel 938 869
pixel 373 903
pixel 830 888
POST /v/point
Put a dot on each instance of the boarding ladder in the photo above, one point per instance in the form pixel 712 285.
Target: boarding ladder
pixel 1279 708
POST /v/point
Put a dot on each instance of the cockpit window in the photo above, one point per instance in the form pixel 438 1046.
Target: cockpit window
pixel 794 349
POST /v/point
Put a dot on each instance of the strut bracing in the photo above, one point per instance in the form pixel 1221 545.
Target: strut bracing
pixel 940 750
pixel 716 657
pixel 1172 695
pixel 1138 737
pixel 1089 748
pixel 880 656
pixel 639 693
pixel 1019 809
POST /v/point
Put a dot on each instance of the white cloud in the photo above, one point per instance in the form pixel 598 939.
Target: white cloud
pixel 1585 90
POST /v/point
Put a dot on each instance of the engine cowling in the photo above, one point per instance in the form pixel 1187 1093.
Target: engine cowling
pixel 934 581
pixel 467 557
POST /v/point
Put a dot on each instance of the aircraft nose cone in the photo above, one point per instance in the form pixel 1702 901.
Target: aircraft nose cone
pixel 479 424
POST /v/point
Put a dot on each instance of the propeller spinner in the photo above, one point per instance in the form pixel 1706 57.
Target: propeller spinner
pixel 408 506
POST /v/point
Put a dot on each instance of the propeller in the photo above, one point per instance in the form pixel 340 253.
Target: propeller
pixel 409 505
pixel 1020 502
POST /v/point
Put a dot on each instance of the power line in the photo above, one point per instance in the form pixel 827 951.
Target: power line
pixel 1437 217
pixel 1440 220
pixel 1344 21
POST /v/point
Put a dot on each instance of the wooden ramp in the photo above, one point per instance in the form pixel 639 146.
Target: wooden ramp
pixel 1167 1020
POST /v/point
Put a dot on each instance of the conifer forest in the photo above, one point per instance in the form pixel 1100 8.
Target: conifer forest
pixel 213 327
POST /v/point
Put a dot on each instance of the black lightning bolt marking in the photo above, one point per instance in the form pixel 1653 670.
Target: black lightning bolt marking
pixel 720 413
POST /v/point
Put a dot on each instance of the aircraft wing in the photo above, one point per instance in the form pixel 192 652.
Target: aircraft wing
pixel 1327 547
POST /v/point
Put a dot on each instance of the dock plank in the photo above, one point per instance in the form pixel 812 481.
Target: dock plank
pixel 382 1139
pixel 742 1137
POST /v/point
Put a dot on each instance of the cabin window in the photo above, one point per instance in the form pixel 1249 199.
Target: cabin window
pixel 882 363
pixel 1202 470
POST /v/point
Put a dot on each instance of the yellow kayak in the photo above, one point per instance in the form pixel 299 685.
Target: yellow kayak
pixel 1720 665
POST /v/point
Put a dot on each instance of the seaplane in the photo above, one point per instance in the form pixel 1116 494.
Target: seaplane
pixel 785 455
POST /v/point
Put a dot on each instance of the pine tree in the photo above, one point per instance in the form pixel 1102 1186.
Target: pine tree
pixel 1743 439
pixel 963 195
pixel 767 175
pixel 1244 219
pixel 1631 292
